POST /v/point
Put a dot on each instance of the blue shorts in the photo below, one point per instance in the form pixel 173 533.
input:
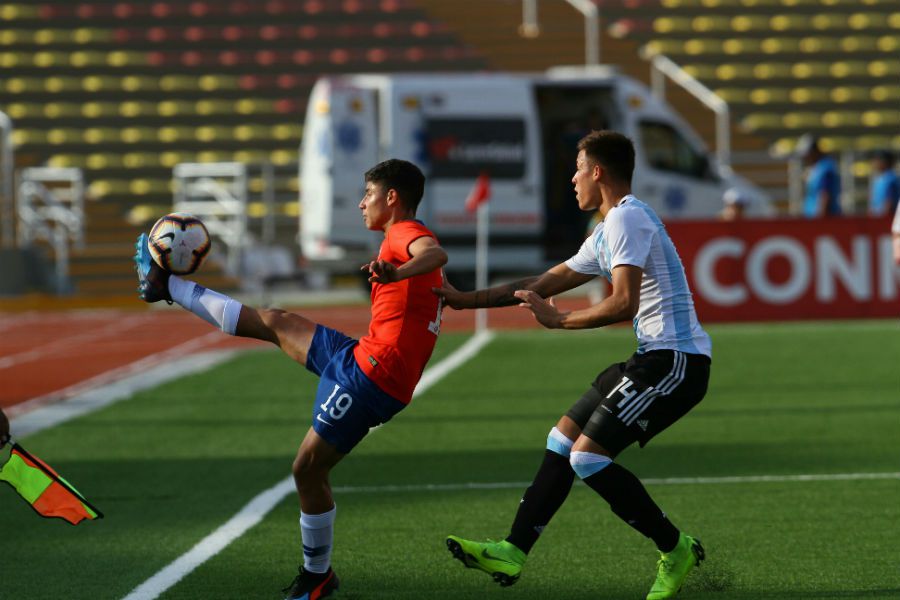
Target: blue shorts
pixel 347 403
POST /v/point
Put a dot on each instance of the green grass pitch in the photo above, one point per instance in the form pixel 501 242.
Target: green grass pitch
pixel 171 465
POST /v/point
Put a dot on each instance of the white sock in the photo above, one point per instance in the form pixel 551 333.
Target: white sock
pixel 318 536
pixel 216 309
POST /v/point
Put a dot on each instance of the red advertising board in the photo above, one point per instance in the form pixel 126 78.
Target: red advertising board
pixel 788 269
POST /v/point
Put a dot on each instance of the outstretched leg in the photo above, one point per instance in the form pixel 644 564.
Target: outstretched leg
pixel 290 332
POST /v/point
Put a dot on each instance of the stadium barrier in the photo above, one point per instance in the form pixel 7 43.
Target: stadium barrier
pixel 777 270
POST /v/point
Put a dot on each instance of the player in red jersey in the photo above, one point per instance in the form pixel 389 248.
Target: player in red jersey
pixel 361 383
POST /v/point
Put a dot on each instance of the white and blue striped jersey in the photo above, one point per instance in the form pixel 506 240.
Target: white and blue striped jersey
pixel 632 234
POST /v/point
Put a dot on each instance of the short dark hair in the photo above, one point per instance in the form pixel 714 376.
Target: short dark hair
pixel 402 176
pixel 612 150
pixel 886 155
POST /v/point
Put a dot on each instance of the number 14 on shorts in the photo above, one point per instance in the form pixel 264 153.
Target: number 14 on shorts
pixel 341 404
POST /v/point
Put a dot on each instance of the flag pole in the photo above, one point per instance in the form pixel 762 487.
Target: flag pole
pixel 481 262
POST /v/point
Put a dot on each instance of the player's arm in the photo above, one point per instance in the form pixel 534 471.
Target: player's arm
pixel 4 429
pixel 556 280
pixel 426 256
pixel 620 305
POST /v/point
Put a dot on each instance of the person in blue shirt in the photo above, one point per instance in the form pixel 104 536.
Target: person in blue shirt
pixel 885 191
pixel 822 197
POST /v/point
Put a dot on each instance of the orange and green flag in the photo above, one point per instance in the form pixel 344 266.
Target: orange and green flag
pixel 48 494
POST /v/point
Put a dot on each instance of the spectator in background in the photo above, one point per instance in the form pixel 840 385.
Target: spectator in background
pixel 822 197
pixel 735 204
pixel 895 234
pixel 885 191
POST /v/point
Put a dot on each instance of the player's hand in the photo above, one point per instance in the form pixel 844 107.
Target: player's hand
pixel 544 311
pixel 381 271
pixel 4 429
pixel 452 297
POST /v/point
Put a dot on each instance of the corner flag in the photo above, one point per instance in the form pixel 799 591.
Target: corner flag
pixel 480 193
pixel 48 494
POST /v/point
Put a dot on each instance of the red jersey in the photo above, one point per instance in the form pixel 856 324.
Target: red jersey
pixel 406 319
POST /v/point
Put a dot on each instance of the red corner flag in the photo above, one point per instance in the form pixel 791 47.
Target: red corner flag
pixel 48 494
pixel 480 192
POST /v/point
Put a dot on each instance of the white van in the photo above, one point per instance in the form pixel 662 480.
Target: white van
pixel 522 130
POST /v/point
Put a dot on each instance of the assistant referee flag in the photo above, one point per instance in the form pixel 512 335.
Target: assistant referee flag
pixel 48 494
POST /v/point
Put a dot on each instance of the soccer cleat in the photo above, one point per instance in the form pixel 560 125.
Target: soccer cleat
pixel 673 567
pixel 153 280
pixel 501 560
pixel 311 586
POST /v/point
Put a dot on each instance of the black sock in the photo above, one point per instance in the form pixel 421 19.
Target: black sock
pixel 542 499
pixel 631 503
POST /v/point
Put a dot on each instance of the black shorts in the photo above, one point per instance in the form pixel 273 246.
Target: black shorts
pixel 635 400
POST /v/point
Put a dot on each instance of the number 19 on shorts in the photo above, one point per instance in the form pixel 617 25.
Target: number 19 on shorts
pixel 341 404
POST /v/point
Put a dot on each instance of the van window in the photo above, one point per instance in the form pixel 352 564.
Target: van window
pixel 667 150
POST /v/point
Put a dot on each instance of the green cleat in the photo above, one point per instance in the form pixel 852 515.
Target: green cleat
pixel 673 567
pixel 500 560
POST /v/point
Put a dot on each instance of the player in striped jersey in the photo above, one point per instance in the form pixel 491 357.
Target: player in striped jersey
pixel 630 401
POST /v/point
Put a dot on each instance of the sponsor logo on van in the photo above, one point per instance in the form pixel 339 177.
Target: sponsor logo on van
pixel 463 148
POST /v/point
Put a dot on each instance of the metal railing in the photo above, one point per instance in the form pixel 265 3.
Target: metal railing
pixel 50 207
pixel 531 28
pixel 217 194
pixel 662 67
pixel 7 200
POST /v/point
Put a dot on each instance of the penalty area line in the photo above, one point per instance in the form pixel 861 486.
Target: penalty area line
pixel 503 485
pixel 254 511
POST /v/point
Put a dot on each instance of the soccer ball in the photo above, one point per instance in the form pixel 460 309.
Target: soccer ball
pixel 179 242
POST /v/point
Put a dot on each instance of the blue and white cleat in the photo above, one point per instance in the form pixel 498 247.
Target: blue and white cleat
pixel 153 280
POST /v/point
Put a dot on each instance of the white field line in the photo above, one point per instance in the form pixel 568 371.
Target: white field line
pixel 263 503
pixel 56 346
pixel 107 388
pixel 503 485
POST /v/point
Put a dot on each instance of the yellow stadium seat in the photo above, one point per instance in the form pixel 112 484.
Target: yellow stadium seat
pixel 100 135
pixel 138 83
pixel 171 134
pixel 805 95
pixel 137 108
pixel 13 12
pixel 214 106
pixel 22 137
pixel 761 121
pixel 87 58
pixel 104 160
pixel 21 85
pixel 99 110
pixel 177 83
pixel 49 37
pixel 171 108
pixel 800 120
pixel 64 135
pixel 840 118
pixel 24 110
pixel 844 94
pixel 137 135
pixel 212 133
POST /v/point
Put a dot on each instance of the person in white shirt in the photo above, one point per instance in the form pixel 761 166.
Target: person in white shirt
pixel 629 402
pixel 895 234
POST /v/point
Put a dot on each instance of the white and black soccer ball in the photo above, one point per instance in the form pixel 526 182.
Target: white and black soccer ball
pixel 179 243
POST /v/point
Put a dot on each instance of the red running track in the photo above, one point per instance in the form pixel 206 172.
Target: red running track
pixel 49 356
